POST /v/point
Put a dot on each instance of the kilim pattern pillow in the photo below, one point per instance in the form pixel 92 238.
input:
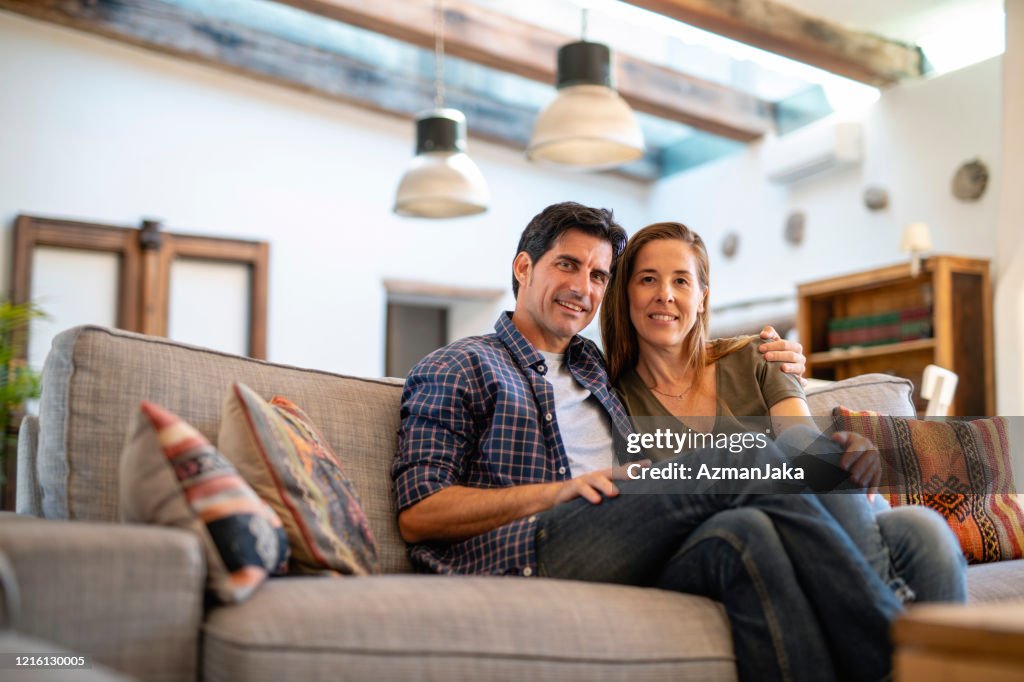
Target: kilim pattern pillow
pixel 171 475
pixel 959 468
pixel 279 450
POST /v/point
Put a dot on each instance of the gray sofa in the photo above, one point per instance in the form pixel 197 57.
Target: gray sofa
pixel 132 596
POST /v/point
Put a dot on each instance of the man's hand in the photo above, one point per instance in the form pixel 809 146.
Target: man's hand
pixel 592 487
pixel 789 353
pixel 596 485
pixel 861 459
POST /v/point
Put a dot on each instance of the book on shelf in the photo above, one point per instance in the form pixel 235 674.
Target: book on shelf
pixel 894 326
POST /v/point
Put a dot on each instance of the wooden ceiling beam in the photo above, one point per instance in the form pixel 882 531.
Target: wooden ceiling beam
pixel 180 32
pixel 501 42
pixel 778 28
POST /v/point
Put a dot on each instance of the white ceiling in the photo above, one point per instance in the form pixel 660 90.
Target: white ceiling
pixel 908 20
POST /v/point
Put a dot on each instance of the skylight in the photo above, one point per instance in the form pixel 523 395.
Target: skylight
pixel 662 40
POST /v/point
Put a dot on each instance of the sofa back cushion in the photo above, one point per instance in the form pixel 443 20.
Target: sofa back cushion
pixel 95 378
pixel 889 395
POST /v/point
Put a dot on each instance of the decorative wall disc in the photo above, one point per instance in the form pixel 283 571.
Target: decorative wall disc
pixel 876 198
pixel 794 231
pixel 731 244
pixel 970 180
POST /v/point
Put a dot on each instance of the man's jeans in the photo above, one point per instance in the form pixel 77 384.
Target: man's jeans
pixel 802 600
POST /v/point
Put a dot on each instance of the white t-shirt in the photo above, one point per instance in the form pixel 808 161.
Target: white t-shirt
pixel 585 427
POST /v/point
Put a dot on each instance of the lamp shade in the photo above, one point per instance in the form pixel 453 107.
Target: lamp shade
pixel 916 237
pixel 588 126
pixel 442 181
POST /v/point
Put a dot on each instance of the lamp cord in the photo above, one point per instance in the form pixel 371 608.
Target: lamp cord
pixel 439 54
pixel 584 12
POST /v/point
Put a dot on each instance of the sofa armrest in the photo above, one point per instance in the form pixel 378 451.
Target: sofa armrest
pixel 15 643
pixel 10 606
pixel 27 490
pixel 129 596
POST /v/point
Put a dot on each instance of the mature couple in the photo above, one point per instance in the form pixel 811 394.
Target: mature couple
pixel 507 442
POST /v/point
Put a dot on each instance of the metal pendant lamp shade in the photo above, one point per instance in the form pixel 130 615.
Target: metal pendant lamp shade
pixel 442 181
pixel 588 126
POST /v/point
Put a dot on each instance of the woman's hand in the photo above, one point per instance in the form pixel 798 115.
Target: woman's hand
pixel 861 459
pixel 790 353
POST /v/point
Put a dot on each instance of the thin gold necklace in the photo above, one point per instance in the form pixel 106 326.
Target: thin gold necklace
pixel 670 395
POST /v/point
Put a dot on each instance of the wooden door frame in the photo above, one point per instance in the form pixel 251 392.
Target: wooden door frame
pixel 145 256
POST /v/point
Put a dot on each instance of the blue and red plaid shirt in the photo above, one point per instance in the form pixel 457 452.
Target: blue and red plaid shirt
pixel 479 413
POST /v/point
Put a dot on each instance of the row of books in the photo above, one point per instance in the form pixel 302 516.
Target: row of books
pixel 873 330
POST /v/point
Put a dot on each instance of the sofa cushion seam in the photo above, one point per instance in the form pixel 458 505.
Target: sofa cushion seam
pixel 160 341
pixel 434 653
pixel 832 389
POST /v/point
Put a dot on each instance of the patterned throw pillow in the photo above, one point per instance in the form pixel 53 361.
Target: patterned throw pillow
pixel 172 476
pixel 961 469
pixel 277 448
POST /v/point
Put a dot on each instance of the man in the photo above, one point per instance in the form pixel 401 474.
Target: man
pixel 495 427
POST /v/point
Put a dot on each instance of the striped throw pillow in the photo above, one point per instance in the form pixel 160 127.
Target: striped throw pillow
pixel 959 468
pixel 171 475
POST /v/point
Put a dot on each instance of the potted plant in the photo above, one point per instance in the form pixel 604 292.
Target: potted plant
pixel 18 383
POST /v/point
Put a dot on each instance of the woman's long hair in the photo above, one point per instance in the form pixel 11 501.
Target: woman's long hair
pixel 621 347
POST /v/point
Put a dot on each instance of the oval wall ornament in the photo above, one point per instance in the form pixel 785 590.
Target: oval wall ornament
pixel 876 198
pixel 731 244
pixel 970 180
pixel 796 222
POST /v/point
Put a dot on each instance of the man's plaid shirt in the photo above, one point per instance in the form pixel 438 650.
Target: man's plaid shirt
pixel 479 413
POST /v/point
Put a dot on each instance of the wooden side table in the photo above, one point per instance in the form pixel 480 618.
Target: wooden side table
pixel 950 643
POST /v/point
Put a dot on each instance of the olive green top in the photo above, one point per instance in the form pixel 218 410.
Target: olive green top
pixel 747 386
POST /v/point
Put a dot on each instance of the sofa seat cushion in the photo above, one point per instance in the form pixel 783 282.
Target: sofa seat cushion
pixel 434 627
pixel 997 581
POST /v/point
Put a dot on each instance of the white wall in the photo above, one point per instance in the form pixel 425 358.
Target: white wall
pixel 915 137
pixel 1009 305
pixel 95 130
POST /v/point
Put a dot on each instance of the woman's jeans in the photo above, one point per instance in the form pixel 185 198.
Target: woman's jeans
pixel 802 600
pixel 911 548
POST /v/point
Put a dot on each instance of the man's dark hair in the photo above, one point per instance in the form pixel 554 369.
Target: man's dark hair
pixel 548 225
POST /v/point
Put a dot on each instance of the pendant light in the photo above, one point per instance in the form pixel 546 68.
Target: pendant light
pixel 588 126
pixel 442 181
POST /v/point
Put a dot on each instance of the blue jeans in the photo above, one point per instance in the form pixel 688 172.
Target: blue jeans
pixel 736 557
pixel 803 602
pixel 925 552
pixel 912 549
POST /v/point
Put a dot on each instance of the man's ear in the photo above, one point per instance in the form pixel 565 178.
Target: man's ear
pixel 521 267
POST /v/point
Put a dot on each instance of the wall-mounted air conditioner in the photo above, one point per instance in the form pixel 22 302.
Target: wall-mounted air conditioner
pixel 813 149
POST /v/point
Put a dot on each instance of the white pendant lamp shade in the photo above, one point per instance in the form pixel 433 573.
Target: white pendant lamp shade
pixel 588 126
pixel 442 181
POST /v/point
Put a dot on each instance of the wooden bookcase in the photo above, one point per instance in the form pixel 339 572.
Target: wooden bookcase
pixel 958 292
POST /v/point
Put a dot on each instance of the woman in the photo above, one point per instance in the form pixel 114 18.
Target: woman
pixel 654 323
